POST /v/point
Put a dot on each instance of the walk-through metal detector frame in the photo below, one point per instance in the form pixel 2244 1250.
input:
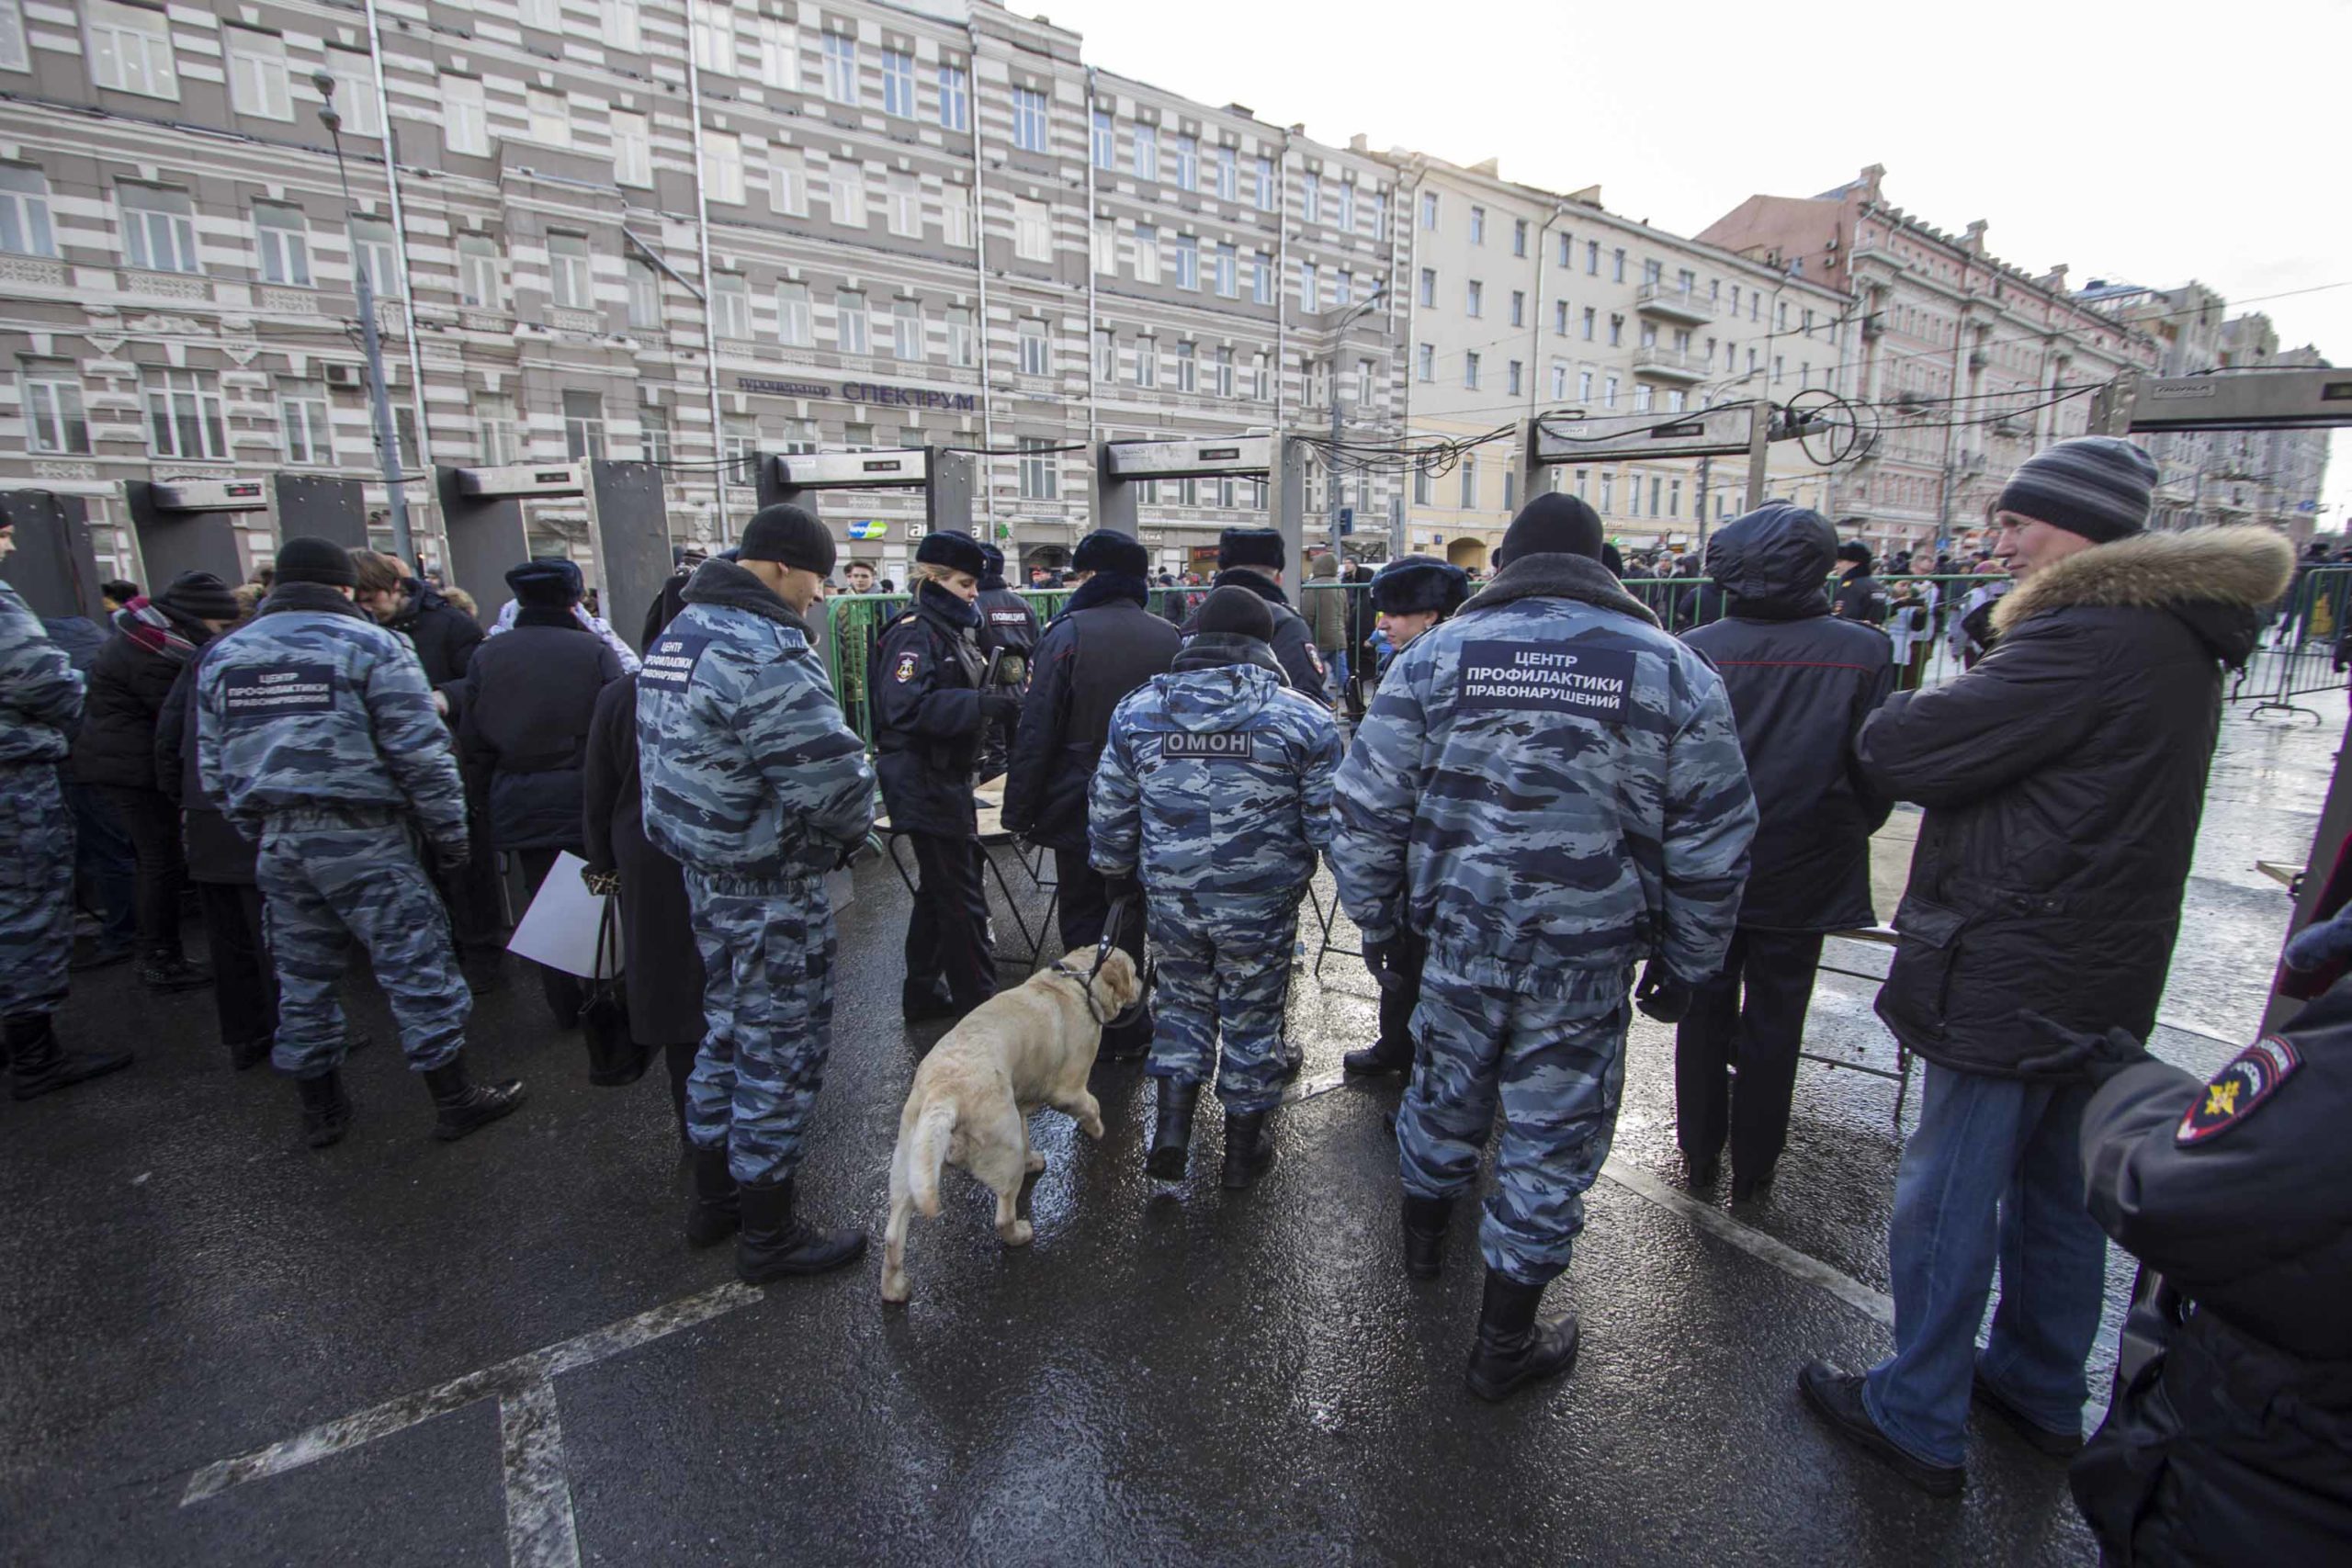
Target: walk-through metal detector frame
pixel 54 567
pixel 628 528
pixel 1120 466
pixel 949 480
pixel 184 525
pixel 1571 438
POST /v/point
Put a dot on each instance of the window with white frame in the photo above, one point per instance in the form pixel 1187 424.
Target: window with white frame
pixel 1310 289
pixel 779 53
pixel 722 166
pixel 1422 487
pixel 1343 288
pixel 652 434
pixel 955 216
pixel 481 275
pixel 1469 482
pixel 571 272
pixel 633 150
pixel 306 434
pixel 788 181
pixel 1188 367
pixel 1146 361
pixel 1029 119
pixel 548 116
pixel 1559 382
pixel 1519 307
pixel 903 206
pixel 1676 400
pixel 1040 475
pixel 1428 209
pixel 355 92
pixel 1188 262
pixel 283 240
pixel 850 325
pixel 1609 394
pixel 898 83
pixel 1032 230
pixel 130 48
pixel 1343 215
pixel 1228 175
pixel 583 425
pixel 799 437
pixel 1470 372
pixel 847 184
pixel 1584 386
pixel 1477 225
pixel 258 85
pixel 1265 192
pixel 644 294
pixel 715 38
pixel 1261 278
pixel 1147 150
pixel 1147 243
pixel 841 68
pixel 1101 246
pixel 1310 196
pixel 1037 352
pixel 1425 365
pixel 1474 301
pixel 12 54
pixel 1187 162
pixel 1364 372
pixel 158 227
pixel 739 445
pixel 905 328
pixel 955 98
pixel 1641 398
pixel 1107 355
pixel 497 431
pixel 547 15
pixel 959 338
pixel 1223 369
pixel 796 317
pixel 465 118
pixel 183 418
pixel 24 213
pixel 1227 272
pixel 1429 286
pixel 1617 267
pixel 1511 379
pixel 620 21
pixel 730 305
pixel 1261 386
pixel 1103 140
pixel 54 420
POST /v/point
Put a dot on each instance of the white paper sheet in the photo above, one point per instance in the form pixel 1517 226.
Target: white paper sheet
pixel 560 928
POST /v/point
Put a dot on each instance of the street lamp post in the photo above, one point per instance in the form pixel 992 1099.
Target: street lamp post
pixel 387 446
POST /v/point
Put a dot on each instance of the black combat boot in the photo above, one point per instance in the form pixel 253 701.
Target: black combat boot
pixel 1425 1221
pixel 712 1213
pixel 159 970
pixel 1171 1130
pixel 1248 1149
pixel 326 1111
pixel 467 1107
pixel 38 1063
pixel 245 1055
pixel 1513 1349
pixel 1381 1057
pixel 774 1246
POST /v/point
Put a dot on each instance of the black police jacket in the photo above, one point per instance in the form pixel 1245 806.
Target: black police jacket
pixel 444 637
pixel 1293 642
pixel 215 850
pixel 123 694
pixel 2236 1444
pixel 1097 650
pixel 1008 623
pixel 923 684
pixel 530 696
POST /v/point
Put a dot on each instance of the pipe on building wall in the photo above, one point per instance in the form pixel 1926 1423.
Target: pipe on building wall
pixel 980 271
pixel 702 249
pixel 408 286
pixel 1409 192
pixel 1535 332
pixel 1281 284
pixel 1094 381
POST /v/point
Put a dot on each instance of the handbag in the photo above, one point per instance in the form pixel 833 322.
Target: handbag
pixel 614 1058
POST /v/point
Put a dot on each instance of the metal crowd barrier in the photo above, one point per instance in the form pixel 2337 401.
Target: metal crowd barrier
pixel 2298 652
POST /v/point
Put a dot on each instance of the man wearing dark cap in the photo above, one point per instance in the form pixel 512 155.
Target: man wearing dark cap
pixel 1008 628
pixel 1861 596
pixel 2064 777
pixel 1253 558
pixel 530 695
pixel 1410 595
pixel 1548 790
pixel 756 786
pixel 932 706
pixel 1103 645
pixel 1212 801
pixel 317 736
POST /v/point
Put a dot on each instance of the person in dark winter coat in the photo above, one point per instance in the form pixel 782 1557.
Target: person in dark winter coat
pixel 114 753
pixel 444 636
pixel 105 866
pixel 1860 595
pixel 529 697
pixel 2235 1443
pixel 1103 646
pixel 1802 681
pixel 2062 777
pixel 1008 628
pixel 930 711
pixel 1253 558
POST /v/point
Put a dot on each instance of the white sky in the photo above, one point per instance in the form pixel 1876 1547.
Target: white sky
pixel 2149 144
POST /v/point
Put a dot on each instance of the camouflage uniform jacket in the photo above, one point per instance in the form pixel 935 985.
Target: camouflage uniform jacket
pixel 41 693
pixel 1216 778
pixel 1549 788
pixel 311 704
pixel 750 776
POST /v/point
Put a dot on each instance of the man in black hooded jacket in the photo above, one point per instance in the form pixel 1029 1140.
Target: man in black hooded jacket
pixel 1802 681
pixel 1253 558
pixel 1008 630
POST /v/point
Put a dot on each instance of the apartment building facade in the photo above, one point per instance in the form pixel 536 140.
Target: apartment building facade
pixel 1525 301
pixel 646 229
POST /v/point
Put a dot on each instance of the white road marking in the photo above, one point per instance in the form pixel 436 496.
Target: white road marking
pixel 1876 1305
pixel 538 1498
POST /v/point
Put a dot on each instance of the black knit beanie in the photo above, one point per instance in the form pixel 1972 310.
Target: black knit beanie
pixel 2096 486
pixel 201 595
pixel 1552 525
pixel 1234 611
pixel 788 536
pixel 308 559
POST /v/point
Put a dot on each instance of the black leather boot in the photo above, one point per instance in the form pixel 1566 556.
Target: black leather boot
pixel 712 1213
pixel 1248 1149
pixel 245 1055
pixel 161 971
pixel 773 1244
pixel 326 1111
pixel 1171 1130
pixel 467 1107
pixel 38 1063
pixel 1380 1056
pixel 1425 1221
pixel 1513 1349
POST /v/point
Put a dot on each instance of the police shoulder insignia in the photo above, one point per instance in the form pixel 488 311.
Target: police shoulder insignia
pixel 906 669
pixel 2230 1095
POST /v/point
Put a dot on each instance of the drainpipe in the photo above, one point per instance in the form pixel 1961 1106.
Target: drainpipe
pixel 1535 332
pixel 1408 198
pixel 400 253
pixel 1093 382
pixel 980 270
pixel 702 250
pixel 1282 279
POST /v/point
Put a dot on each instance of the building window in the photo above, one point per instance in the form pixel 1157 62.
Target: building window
pixel 13 56
pixel 1475 300
pixel 1188 367
pixel 722 166
pixel 1519 307
pixel 796 318
pixel 1616 332
pixel 898 83
pixel 1344 202
pixel 1103 140
pixel 959 338
pixel 906 330
pixel 1228 272
pixel 1032 230
pixel 1469 483
pixel 1037 352
pixel 1261 387
pixel 283 240
pixel 465 122
pixel 1519 236
pixel 571 283
pixel 652 434
pixel 1310 289
pixel 547 115
pixel 1147 362
pixel 1187 162
pixel 1029 119
pixel 130 50
pixel 1146 253
pixel 1675 400
pixel 1641 398
pixel 1584 386
pixel 849 322
pixel 1477 225
pixel 1261 278
pixel 1559 382
pixel 1592 269
pixel 494 415
pixel 183 414
pixel 307 433
pixel 159 229
pixel 1559 318
pixel 644 295
pixel 54 421
pixel 633 150
pixel 257 81
pixel 956 216
pixel 1040 477
pixel 1228 175
pixel 847 184
pixel 787 182
pixel 1470 372
pixel 955 98
pixel 730 306
pixel 1422 487
pixel 1146 152
pixel 1267 198
pixel 1609 390
pixel 583 425
pixel 1512 380
pixel 902 208
pixel 1617 267
pixel 1223 368
pixel 1591 322
pixel 1428 209
pixel 354 91
pixel 1106 356
pixel 620 25
pixel 1425 368
pixel 841 65
pixel 1310 196
pixel 1188 262
pixel 1566 252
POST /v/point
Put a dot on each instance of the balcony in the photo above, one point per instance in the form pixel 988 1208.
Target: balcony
pixel 1670 365
pixel 1671 301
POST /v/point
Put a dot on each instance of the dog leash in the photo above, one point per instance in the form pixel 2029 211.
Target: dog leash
pixel 1111 921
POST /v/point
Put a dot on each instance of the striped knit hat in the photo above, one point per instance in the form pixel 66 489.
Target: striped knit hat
pixel 2094 485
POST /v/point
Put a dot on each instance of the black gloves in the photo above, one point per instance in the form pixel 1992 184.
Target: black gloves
pixel 1386 962
pixel 1660 995
pixel 2069 1053
pixel 1125 886
pixel 996 708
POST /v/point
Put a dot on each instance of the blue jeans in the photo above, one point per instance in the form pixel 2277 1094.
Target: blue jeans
pixel 1994 1171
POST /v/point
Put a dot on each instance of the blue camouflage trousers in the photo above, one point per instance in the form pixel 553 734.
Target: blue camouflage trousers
pixel 327 877
pixel 1558 1068
pixel 1224 969
pixel 767 1003
pixel 36 889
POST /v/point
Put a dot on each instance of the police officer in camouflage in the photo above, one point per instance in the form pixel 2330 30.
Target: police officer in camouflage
pixel 756 786
pixel 1213 797
pixel 317 736
pixel 40 702
pixel 1547 789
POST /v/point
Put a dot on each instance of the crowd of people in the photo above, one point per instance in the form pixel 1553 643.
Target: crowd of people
pixel 1553 810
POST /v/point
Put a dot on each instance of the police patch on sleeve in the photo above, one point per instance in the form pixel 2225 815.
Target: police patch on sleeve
pixel 2230 1095
pixel 1547 677
pixel 267 691
pixel 1236 745
pixel 905 669
pixel 670 662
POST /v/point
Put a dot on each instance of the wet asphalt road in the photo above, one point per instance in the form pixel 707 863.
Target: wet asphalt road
pixel 1166 1375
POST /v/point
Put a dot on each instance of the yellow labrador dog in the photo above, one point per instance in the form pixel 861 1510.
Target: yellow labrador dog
pixel 1030 1046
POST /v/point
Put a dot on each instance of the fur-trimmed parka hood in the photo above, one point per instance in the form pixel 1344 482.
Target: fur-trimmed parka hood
pixel 2216 580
